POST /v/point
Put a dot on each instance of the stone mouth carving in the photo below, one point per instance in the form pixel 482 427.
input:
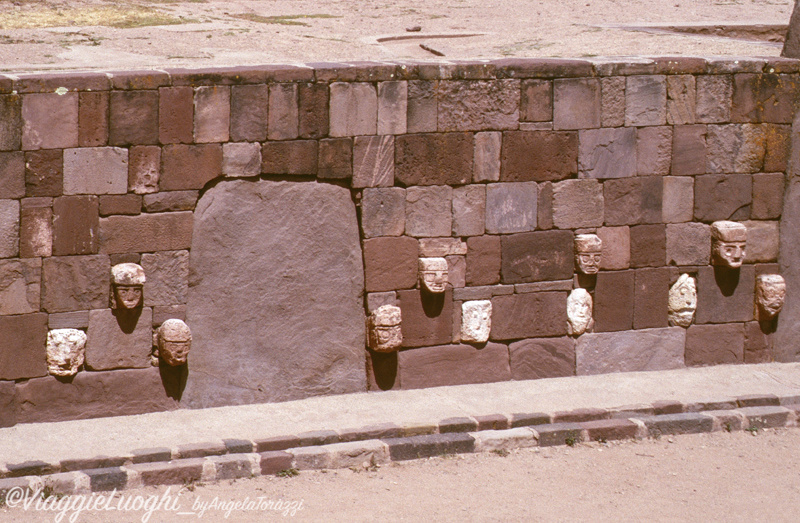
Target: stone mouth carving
pixel 728 243
pixel 682 301
pixel 127 283
pixel 588 251
pixel 433 275
pixel 65 351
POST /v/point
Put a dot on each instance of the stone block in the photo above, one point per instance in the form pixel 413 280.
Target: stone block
pixel 758 346
pixel 378 299
pixel 767 417
pixel 537 256
pixel 490 440
pixel 576 103
pixel 483 260
pixel 167 278
pixel 556 434
pixel 677 199
pixel 429 445
pixel 383 211
pixel 511 207
pixel 133 118
pixel 544 219
pixel 69 320
pixel 23 353
pixel 612 101
pixel 645 100
pixel 681 99
pixel 758 400
pixel 119 338
pixel 653 151
pixel 538 156
pixel 469 210
pixel 72 283
pixel 249 111
pixel 297 157
pixel 12 175
pixel 96 170
pixel 185 167
pixel 175 114
pixel 9 228
pixel 714 94
pixel 11 122
pixel 714 344
pixel 170 201
pixel 607 153
pixel 529 315
pixel 478 105
pixel 335 159
pixel 539 358
pixel 610 429
pixel 735 148
pixel 212 114
pixel 8 413
pixel 144 169
pixel 392 107
pixel 390 263
pixel 578 203
pixel 274 462
pixel 92 119
pixel 688 149
pixel 616 253
pixel 631 201
pixel 457 272
pixel 433 159
pixel 631 351
pixel 440 247
pixel 767 196
pixel 614 301
pixel 725 296
pixel 428 211
pixel 536 100
pixel 722 197
pixel 241 159
pixel 673 424
pixel 486 164
pixel 373 161
pixel 778 147
pixel 312 110
pixel 130 204
pixel 763 98
pixel 650 298
pixel 763 242
pixel 353 109
pixel 168 231
pixel 283 116
pixel 528 419
pixel 36 229
pixel 50 120
pixel 422 107
pixel 453 365
pixel 76 224
pixel 688 244
pixel 44 173
pixel 178 472
pixel 427 320
pixel 20 286
pixel 648 245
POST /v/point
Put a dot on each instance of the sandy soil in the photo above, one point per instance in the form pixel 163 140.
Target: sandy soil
pixel 238 32
pixel 709 477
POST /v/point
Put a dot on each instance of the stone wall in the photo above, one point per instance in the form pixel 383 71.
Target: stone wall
pixel 494 166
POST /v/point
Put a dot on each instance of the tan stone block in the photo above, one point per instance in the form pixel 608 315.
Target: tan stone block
pixel 354 109
pixel 645 100
pixel 688 244
pixel 283 112
pixel 681 96
pixel 763 242
pixel 678 199
pixel 212 114
pixel 119 338
pixel 612 101
pixel 486 157
pixel 714 94
pixel 392 107
pixel 577 203
pixel 478 105
pixel 616 253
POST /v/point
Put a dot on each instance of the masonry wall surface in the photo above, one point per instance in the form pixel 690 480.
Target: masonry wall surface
pixel 493 165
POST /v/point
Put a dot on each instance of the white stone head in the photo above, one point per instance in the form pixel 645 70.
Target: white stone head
pixel 728 241
pixel 433 274
pixel 588 248
pixel 385 333
pixel 174 341
pixel 65 351
pixel 682 301
pixel 476 321
pixel 770 295
pixel 579 312
pixel 127 281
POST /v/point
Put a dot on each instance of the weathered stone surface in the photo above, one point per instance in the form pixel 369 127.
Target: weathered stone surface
pixel 578 203
pixel 469 210
pixel 36 229
pixel 529 315
pixel 536 100
pixel 282 116
pixel 8 414
pixel 735 148
pixel 241 159
pixel 373 161
pixel 653 150
pixel 96 170
pixel 9 228
pixel 295 157
pixel 427 319
pixel 650 298
pixel 390 263
pixel 73 283
pixel 298 287
pixel 688 149
pixel 688 244
pixel 714 344
pixel 511 207
pixel 763 239
pixel 722 197
pixel 440 247
pixel 681 100
pixel 476 321
pixel 133 118
pixel 453 365
pixel 76 224
pixel 212 114
pixel 758 346
pixel 483 260
pixel 69 320
pixel 392 107
pixel 538 156
pixel 641 350
pixel 607 153
pixel 576 103
pixel 478 106
pixel 313 110
pixel 682 301
pixel 167 231
pixel 677 199
pixel 422 107
pixel 616 252
pixel 614 301
pixel 383 212
pixel 189 166
pixel 50 120
pixel 648 245
pixel 353 109
pixel 433 159
pixel 249 113
pixel 12 174
pixel 130 204
pixel 714 98
pixel 23 351
pixel 537 256
pixel 486 165
pixel 167 201
pixel 119 338
pixel 10 122
pixel 724 295
pixel 144 169
pixel 335 159
pixel 167 278
pixel 44 173
pixel 645 100
pixel 613 101
pixel 20 285
pixel 767 196
pixel 764 98
pixel 175 114
pixel 542 358
pixel 428 211
pixel 544 220
pixel 579 312
pixel 633 200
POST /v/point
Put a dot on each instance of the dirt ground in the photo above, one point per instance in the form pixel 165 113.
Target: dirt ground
pixel 94 34
pixel 709 477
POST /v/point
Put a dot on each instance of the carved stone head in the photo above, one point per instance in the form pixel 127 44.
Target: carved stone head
pixel 385 334
pixel 682 301
pixel 127 281
pixel 728 240
pixel 579 312
pixel 770 295
pixel 433 274
pixel 174 340
pixel 476 321
pixel 65 350
pixel 588 248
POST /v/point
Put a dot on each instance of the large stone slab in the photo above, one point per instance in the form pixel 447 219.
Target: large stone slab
pixel 648 349
pixel 275 302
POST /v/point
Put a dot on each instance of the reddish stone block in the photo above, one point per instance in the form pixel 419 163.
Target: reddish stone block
pixel 614 301
pixel 36 228
pixel 629 201
pixel 427 319
pixel 650 298
pixel 390 263
pixel 167 231
pixel 483 260
pixel 212 114
pixel 76 223
pixel 22 354
pixel 75 283
pixel 538 156
pixel 492 422
pixel 12 175
pixel 714 344
pixel 688 149
pixel 537 256
pixel 10 122
pixel 142 79
pixel 44 173
pixel 544 210
pixel 93 119
pixel 536 101
pixel 312 112
pixel 423 108
pixel 175 114
pixel 529 315
pixel 453 365
pixel 249 104
pixel 648 246
pixel 130 204
pixel 764 98
pixel 119 338
pixel 133 118
pixel 165 201
pixel 274 462
pixel 539 358
pixel 178 472
pixel 778 147
pixel 144 168
pixel 758 345
pixel 49 82
pixel 722 197
pixel 189 166
pixel 382 371
pixel 610 429
pixel 8 404
pixel 576 103
pixel 767 417
pixel 685 423
pixel 335 158
pixel 724 296
pixel 297 157
pixel 433 159
pixel 51 121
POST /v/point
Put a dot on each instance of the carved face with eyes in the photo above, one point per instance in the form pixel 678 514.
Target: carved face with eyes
pixel 385 333
pixel 682 301
pixel 127 281
pixel 174 341
pixel 728 242
pixel 770 294
pixel 433 274
pixel 588 250
pixel 65 351
pixel 579 312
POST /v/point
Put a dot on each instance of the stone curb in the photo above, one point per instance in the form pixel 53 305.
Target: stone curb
pixel 381 444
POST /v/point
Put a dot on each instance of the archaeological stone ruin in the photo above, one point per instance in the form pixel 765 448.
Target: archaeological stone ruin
pixel 199 238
